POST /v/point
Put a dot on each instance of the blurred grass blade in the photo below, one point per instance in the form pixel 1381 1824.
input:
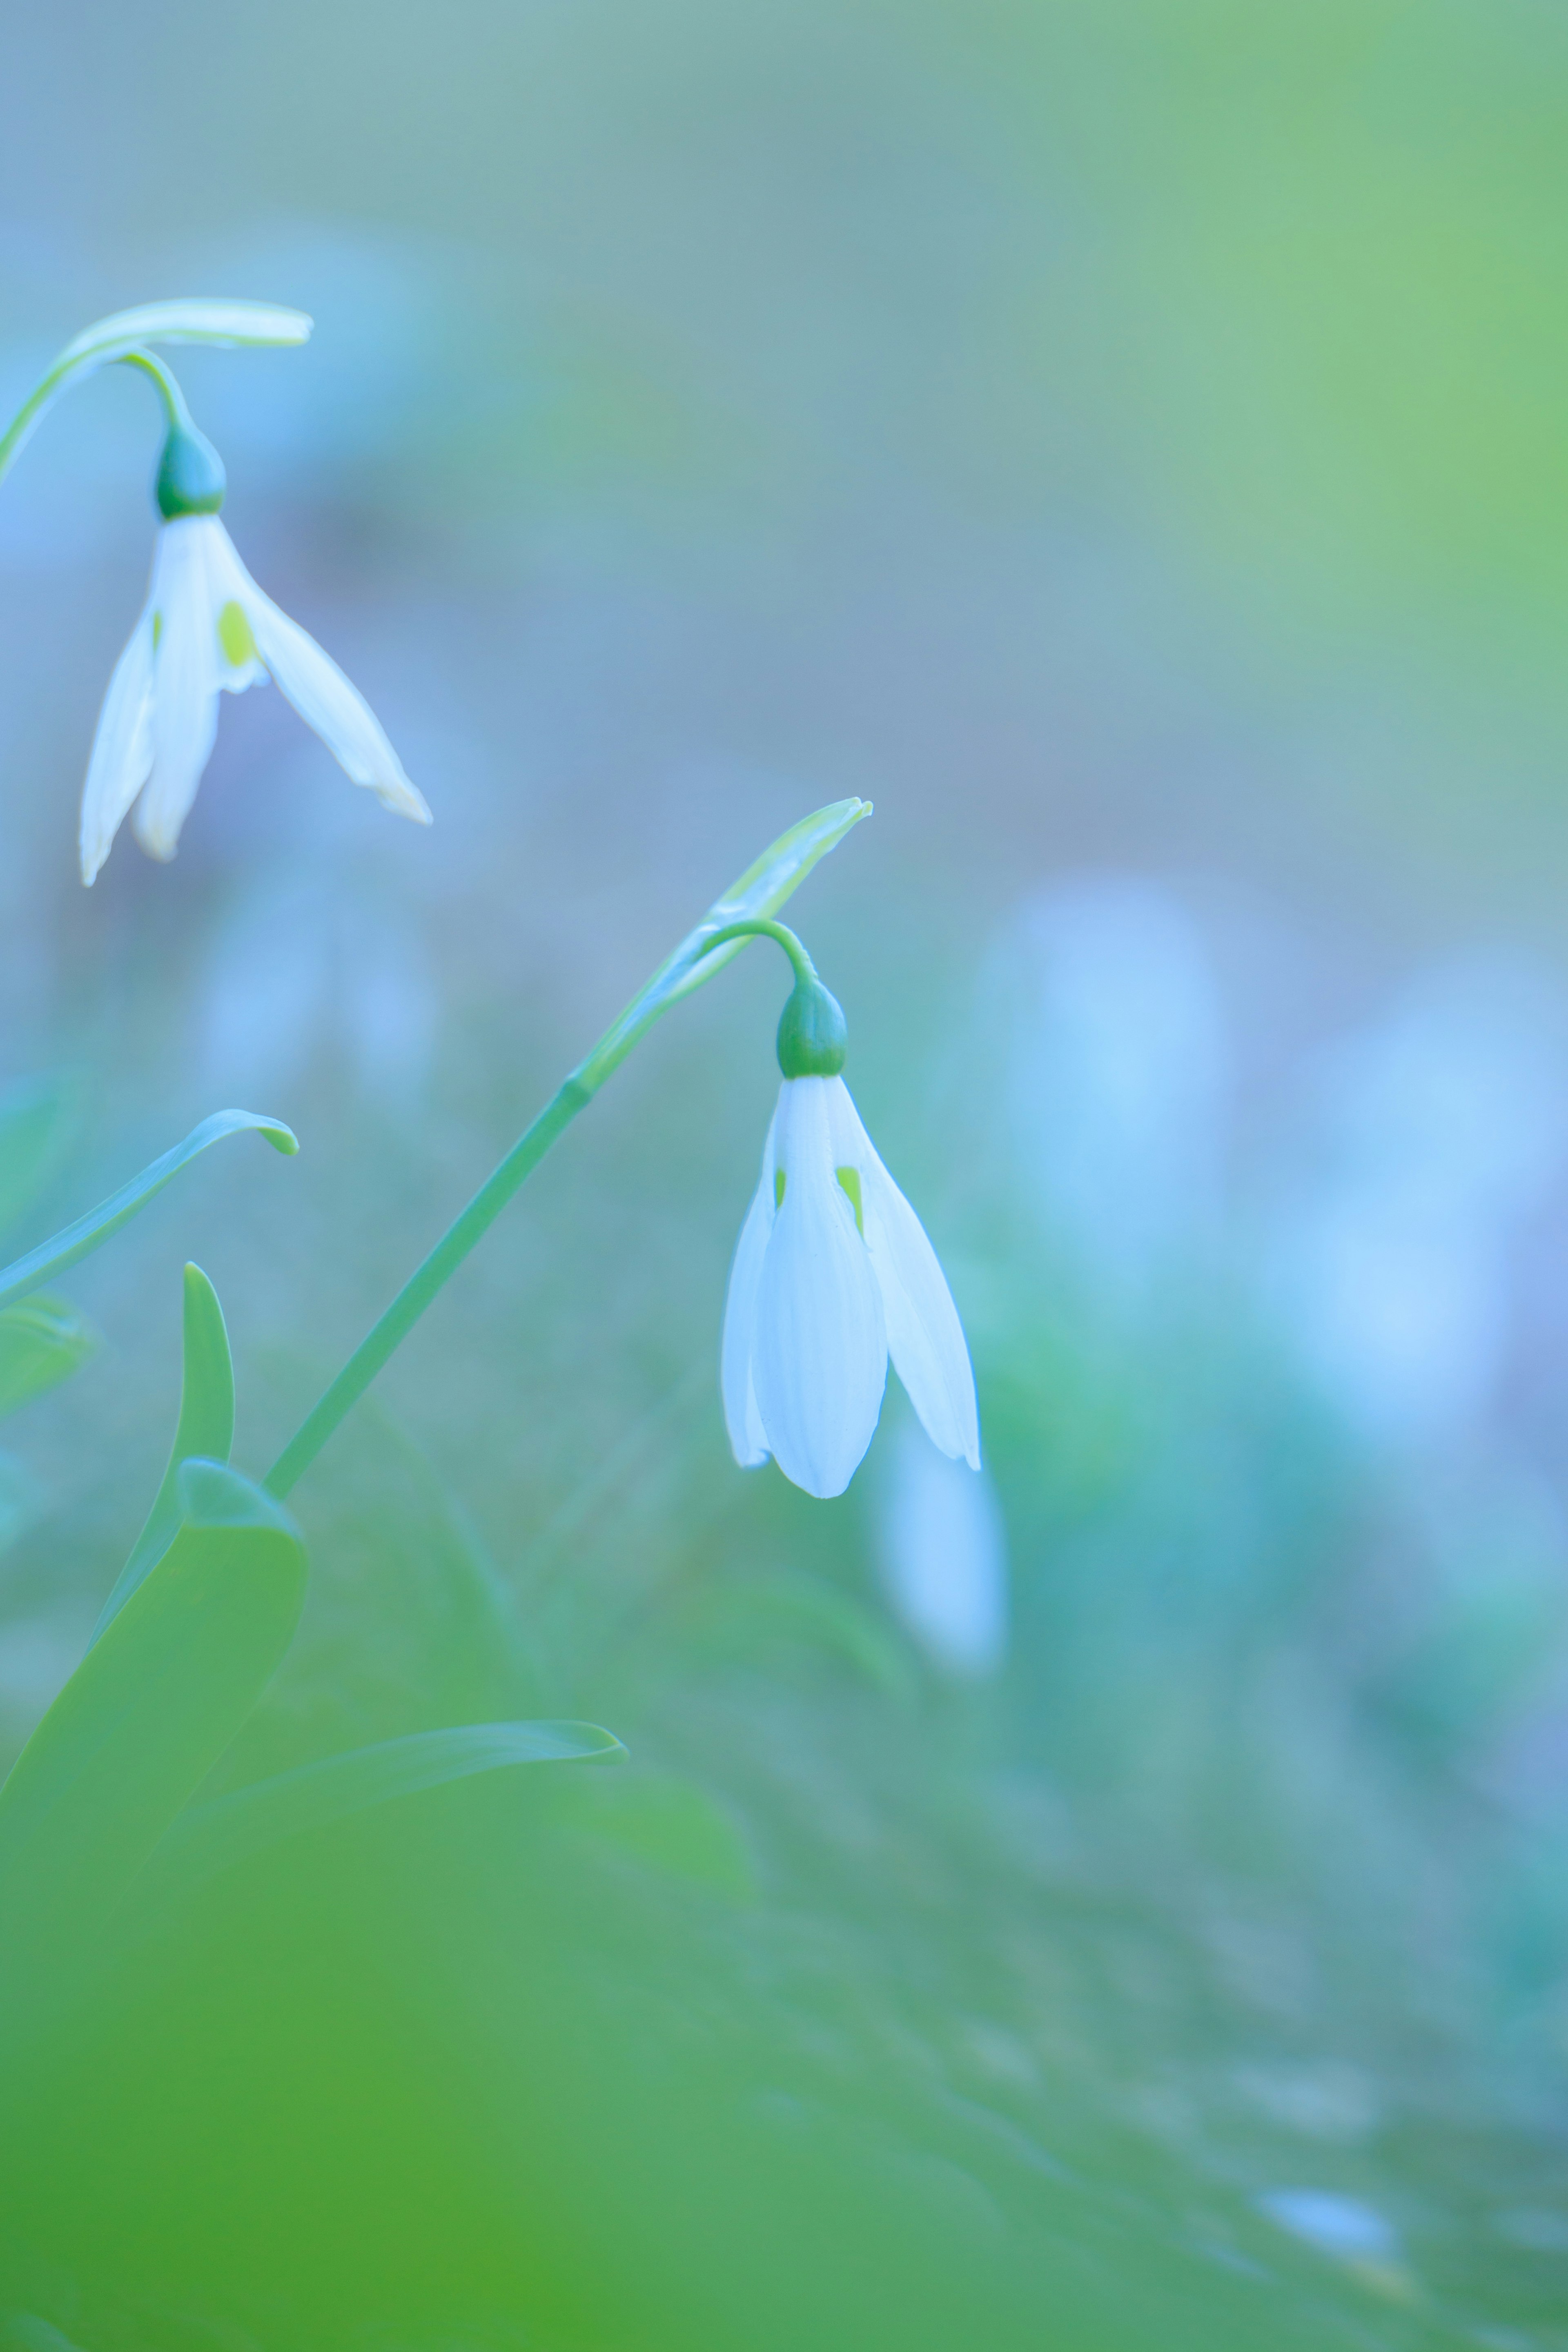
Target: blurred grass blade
pixel 33 1118
pixel 79 1241
pixel 761 890
pixel 317 1794
pixel 205 1428
pixel 41 1343
pixel 139 1725
pixel 668 1825
pixel 191 318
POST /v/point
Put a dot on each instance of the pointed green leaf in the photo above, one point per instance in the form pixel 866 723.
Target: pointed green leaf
pixel 205 1428
pixel 90 1233
pixel 142 1722
pixel 214 1835
pixel 760 891
pixel 41 1343
pixel 34 1116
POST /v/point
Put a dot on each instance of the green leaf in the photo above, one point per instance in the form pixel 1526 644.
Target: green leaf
pixel 204 1429
pixel 313 1795
pixel 760 891
pixel 41 1344
pixel 90 1233
pixel 34 1116
pixel 140 1725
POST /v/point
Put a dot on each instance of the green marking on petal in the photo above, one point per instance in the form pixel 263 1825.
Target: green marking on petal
pixel 778 1190
pixel 234 634
pixel 157 629
pixel 850 1180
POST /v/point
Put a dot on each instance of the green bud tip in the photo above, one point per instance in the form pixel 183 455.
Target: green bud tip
pixel 191 478
pixel 814 1035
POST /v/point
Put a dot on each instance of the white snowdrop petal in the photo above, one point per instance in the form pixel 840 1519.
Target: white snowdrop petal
pixel 925 1337
pixel 819 1358
pixel 748 1439
pixel 325 700
pixel 184 683
pixel 122 749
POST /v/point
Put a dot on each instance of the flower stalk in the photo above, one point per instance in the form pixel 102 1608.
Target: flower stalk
pixel 729 923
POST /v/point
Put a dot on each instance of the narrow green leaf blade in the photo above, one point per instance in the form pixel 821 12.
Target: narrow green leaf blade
pixel 760 891
pixel 188 319
pixel 90 1233
pixel 41 1344
pixel 140 1725
pixel 314 1795
pixel 204 1429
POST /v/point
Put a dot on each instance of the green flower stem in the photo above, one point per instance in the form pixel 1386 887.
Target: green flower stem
pixel 125 337
pixel 173 399
pixel 430 1277
pixel 68 371
pixel 767 882
pixel 804 970
pixel 423 1284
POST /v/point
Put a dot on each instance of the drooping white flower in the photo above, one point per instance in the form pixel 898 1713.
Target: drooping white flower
pixel 833 1273
pixel 207 629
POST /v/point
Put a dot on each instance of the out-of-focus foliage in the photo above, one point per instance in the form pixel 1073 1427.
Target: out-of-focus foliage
pixel 1125 442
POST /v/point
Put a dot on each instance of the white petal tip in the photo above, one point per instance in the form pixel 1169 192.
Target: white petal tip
pixel 820 1494
pixel 405 800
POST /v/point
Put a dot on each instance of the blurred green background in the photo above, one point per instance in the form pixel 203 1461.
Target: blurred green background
pixel 1121 1901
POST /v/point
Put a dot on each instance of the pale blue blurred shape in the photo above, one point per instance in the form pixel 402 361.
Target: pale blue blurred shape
pixel 1119 1078
pixel 303 962
pixel 372 372
pixel 943 1549
pixel 1430 1137
pixel 1340 2226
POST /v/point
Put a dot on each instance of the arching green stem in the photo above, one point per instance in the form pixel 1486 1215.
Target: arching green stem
pixel 804 970
pixel 725 927
pixel 174 410
pixel 126 337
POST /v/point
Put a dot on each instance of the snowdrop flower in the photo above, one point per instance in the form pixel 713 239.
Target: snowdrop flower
pixel 207 629
pixel 833 1273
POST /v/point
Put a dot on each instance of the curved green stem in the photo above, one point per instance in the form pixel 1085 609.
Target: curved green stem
pixel 173 399
pixel 127 334
pixel 762 929
pixel 719 935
